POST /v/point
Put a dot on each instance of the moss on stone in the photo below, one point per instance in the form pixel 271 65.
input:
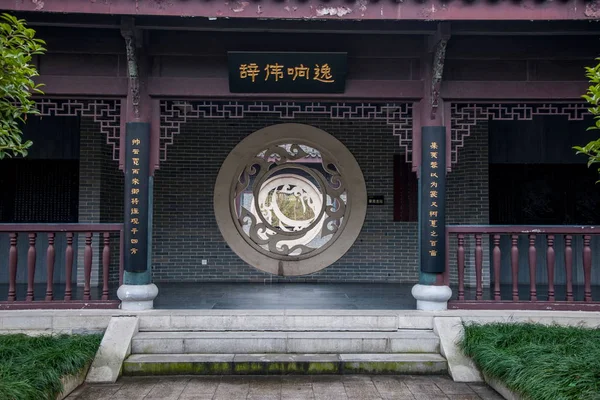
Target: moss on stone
pixel 280 368
pixel 177 368
pixel 316 368
pixel 249 368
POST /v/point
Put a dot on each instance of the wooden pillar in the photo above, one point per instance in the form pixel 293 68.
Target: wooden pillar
pixel 137 291
pixel 430 292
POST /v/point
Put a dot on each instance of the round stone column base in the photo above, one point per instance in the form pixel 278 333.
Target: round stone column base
pixel 137 297
pixel 431 298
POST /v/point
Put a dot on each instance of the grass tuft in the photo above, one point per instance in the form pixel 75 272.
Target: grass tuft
pixel 31 366
pixel 538 362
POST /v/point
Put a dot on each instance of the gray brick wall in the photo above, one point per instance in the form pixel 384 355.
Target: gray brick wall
pixel 185 230
pixel 111 202
pixel 100 197
pixel 467 200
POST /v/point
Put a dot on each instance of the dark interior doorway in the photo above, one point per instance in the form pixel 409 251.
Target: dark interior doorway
pixel 536 178
pixel 42 187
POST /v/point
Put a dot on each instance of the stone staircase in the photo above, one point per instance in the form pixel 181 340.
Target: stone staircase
pixel 258 343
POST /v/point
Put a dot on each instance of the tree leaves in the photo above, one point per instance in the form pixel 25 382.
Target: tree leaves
pixel 18 46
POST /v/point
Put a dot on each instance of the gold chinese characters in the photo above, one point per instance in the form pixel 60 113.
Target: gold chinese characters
pixel 277 72
pixel 433 200
pixel 135 200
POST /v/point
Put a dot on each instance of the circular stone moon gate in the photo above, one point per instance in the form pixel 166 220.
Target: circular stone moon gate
pixel 290 199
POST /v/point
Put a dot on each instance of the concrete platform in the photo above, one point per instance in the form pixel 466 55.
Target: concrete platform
pixel 256 296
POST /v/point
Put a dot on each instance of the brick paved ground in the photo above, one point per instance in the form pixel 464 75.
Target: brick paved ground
pixel 359 387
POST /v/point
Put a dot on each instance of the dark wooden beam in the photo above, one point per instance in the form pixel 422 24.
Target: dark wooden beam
pixel 106 86
pixel 513 90
pixel 219 88
pixel 524 10
pixel 101 86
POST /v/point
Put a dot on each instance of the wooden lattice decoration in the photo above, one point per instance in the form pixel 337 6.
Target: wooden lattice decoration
pixel 466 115
pixel 107 113
pixel 175 113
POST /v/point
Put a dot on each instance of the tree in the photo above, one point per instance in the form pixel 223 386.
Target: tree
pixel 18 45
pixel 592 149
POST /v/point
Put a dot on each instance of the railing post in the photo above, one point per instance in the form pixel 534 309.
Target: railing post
pixel 460 262
pixel 569 266
pixel 514 264
pixel 105 265
pixel 587 268
pixel 31 267
pixel 12 267
pixel 87 265
pixel 50 268
pixel 68 265
pixel 497 261
pixel 532 265
pixel 550 263
pixel 478 267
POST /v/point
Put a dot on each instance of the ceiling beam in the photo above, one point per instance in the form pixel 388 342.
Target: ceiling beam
pixel 428 10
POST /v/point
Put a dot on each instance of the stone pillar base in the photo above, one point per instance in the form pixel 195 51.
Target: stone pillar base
pixel 137 297
pixel 431 298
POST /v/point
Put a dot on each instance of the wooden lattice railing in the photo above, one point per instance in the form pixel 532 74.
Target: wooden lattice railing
pixel 69 234
pixel 532 278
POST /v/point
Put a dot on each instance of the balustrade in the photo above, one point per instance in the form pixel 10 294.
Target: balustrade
pixel 49 233
pixel 507 252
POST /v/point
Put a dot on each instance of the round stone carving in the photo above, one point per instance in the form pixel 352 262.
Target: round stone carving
pixel 290 199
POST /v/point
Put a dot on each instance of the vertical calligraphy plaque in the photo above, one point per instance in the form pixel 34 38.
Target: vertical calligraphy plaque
pixel 433 199
pixel 137 152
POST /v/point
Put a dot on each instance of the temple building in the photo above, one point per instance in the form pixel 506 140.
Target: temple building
pixel 422 143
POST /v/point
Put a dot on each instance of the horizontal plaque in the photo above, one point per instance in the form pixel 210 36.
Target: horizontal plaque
pixel 287 72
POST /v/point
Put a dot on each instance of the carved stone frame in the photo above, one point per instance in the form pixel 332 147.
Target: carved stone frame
pixel 252 145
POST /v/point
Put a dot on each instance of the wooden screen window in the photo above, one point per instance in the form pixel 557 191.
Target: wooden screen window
pixel 405 191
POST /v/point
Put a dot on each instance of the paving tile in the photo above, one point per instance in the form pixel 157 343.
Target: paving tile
pixel 485 392
pixel 134 390
pixel 291 389
pixel 356 378
pixel 448 386
pixel 391 389
pixel 318 387
pixel 363 390
pixel 421 390
pixel 265 389
pixel 229 391
pixel 332 390
pixel 95 392
pixel 200 387
pixel 167 389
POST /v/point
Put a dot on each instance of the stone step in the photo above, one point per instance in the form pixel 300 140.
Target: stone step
pixel 284 320
pixel 280 364
pixel 404 341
